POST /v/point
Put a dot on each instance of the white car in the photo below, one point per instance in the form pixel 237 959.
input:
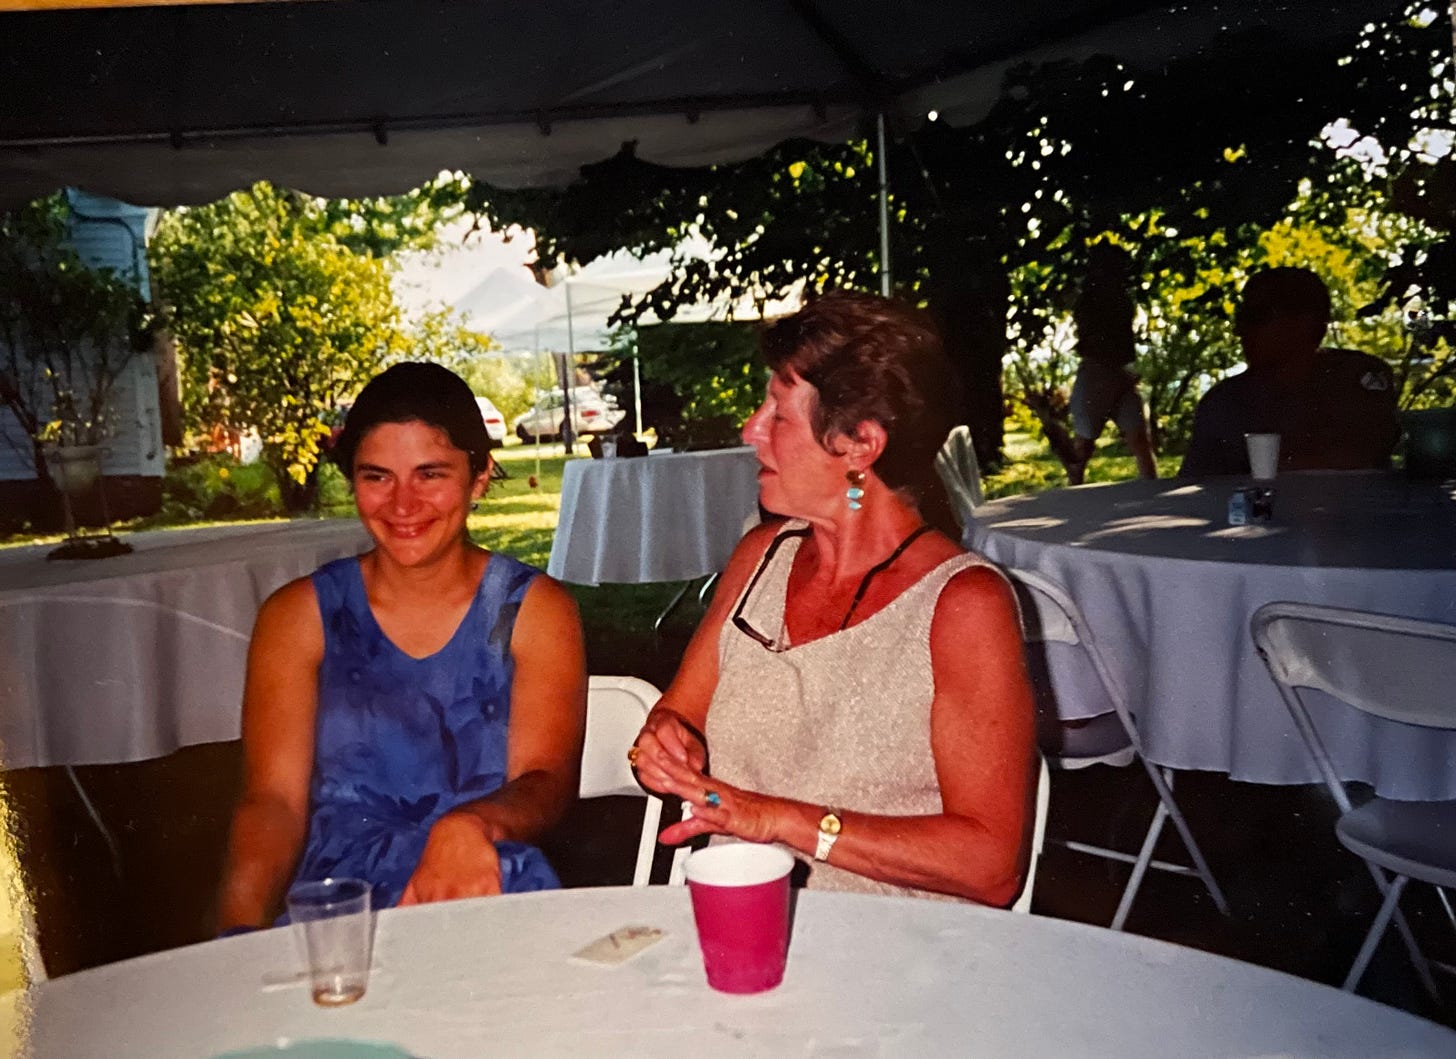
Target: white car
pixel 495 423
pixel 594 413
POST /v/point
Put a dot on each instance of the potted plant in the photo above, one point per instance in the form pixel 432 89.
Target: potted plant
pixel 67 333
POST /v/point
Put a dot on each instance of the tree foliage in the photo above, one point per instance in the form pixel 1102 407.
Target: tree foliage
pixel 990 225
pixel 67 332
pixel 276 322
pixel 442 336
pixel 381 227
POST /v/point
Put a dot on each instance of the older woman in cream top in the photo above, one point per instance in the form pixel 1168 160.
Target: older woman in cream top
pixel 859 676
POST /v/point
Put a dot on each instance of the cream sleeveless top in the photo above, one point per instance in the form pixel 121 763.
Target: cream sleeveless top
pixel 842 721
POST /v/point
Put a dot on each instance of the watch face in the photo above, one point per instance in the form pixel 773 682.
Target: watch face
pixel 829 824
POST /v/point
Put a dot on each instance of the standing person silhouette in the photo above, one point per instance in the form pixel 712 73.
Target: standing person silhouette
pixel 1105 387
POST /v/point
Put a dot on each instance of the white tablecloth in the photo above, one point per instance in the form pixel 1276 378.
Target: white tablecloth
pixel 670 517
pixel 867 976
pixel 1168 589
pixel 128 658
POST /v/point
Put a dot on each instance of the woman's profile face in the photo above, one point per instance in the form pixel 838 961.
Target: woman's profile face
pixel 797 476
pixel 413 490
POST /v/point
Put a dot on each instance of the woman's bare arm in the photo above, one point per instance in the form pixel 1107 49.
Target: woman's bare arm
pixel 687 697
pixel 280 701
pixel 983 740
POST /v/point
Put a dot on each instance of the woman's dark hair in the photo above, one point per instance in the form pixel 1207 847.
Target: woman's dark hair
pixel 416 391
pixel 871 358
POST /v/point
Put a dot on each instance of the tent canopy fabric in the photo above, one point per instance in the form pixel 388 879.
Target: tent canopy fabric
pixel 182 104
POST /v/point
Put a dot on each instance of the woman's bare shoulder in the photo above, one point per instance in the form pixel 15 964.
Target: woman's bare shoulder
pixel 978 588
pixel 294 603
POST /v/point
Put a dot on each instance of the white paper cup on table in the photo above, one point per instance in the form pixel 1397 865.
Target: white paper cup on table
pixel 609 447
pixel 337 924
pixel 1263 455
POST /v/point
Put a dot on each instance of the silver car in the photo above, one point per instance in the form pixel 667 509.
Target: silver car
pixel 593 413
pixel 495 423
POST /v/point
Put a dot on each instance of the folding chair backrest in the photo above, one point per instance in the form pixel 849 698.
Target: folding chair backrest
pixel 1050 618
pixel 961 473
pixel 1038 834
pixel 1048 614
pixel 1398 669
pixel 615 710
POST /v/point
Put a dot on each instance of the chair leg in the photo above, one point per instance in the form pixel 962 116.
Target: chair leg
pixel 1163 782
pixel 677 599
pixel 1446 904
pixel 1418 958
pixel 1140 867
pixel 707 589
pixel 95 816
pixel 678 874
pixel 1377 931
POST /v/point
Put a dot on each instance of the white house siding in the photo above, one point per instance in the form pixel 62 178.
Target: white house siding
pixel 107 233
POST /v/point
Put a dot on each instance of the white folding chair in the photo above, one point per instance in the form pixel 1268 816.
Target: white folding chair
pixel 1038 834
pixel 616 707
pixel 1401 671
pixel 1053 618
pixel 961 473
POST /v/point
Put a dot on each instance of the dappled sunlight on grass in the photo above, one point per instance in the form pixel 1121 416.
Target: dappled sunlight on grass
pixel 1030 466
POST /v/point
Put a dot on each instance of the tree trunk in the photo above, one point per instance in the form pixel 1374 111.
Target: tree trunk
pixel 48 512
pixel 969 294
pixel 297 497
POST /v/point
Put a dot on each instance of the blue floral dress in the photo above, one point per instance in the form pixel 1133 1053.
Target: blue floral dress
pixel 401 741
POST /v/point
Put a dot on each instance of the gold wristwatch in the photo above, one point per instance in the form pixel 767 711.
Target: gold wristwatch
pixel 829 827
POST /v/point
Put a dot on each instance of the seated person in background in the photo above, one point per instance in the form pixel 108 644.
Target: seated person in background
pixel 859 675
pixel 1334 409
pixel 413 716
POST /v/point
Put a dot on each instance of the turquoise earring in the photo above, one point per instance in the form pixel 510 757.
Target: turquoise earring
pixel 855 493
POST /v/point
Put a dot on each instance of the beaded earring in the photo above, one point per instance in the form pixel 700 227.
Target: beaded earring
pixel 855 493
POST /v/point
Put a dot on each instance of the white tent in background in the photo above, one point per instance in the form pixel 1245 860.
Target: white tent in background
pixel 570 315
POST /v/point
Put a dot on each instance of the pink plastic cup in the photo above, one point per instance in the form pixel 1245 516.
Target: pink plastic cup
pixel 741 904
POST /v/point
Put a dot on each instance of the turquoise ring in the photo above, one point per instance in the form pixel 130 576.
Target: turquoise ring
pixel 712 799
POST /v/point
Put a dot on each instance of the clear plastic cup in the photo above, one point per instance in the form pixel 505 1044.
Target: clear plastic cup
pixel 337 924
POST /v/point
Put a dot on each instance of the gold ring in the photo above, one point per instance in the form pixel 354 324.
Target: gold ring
pixel 633 753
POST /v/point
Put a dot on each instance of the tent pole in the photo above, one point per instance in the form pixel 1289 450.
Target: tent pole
pixel 637 380
pixel 568 378
pixel 885 203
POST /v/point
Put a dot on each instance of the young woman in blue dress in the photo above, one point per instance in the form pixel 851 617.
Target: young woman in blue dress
pixel 414 715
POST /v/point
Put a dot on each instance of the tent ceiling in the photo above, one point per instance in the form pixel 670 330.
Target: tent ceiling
pixel 178 104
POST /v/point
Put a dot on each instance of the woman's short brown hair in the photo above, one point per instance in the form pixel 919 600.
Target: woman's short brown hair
pixel 873 358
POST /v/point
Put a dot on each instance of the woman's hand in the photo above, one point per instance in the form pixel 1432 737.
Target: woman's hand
pixel 666 741
pixel 460 860
pixel 743 814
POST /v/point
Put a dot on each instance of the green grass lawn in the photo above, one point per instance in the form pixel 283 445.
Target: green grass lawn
pixel 1030 466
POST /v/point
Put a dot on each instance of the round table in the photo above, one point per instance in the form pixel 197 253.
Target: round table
pixel 665 517
pixel 866 976
pixel 135 656
pixel 1168 587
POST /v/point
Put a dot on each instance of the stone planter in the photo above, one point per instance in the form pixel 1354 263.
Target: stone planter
pixel 75 468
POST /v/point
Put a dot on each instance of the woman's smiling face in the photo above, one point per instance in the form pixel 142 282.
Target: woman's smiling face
pixel 413 490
